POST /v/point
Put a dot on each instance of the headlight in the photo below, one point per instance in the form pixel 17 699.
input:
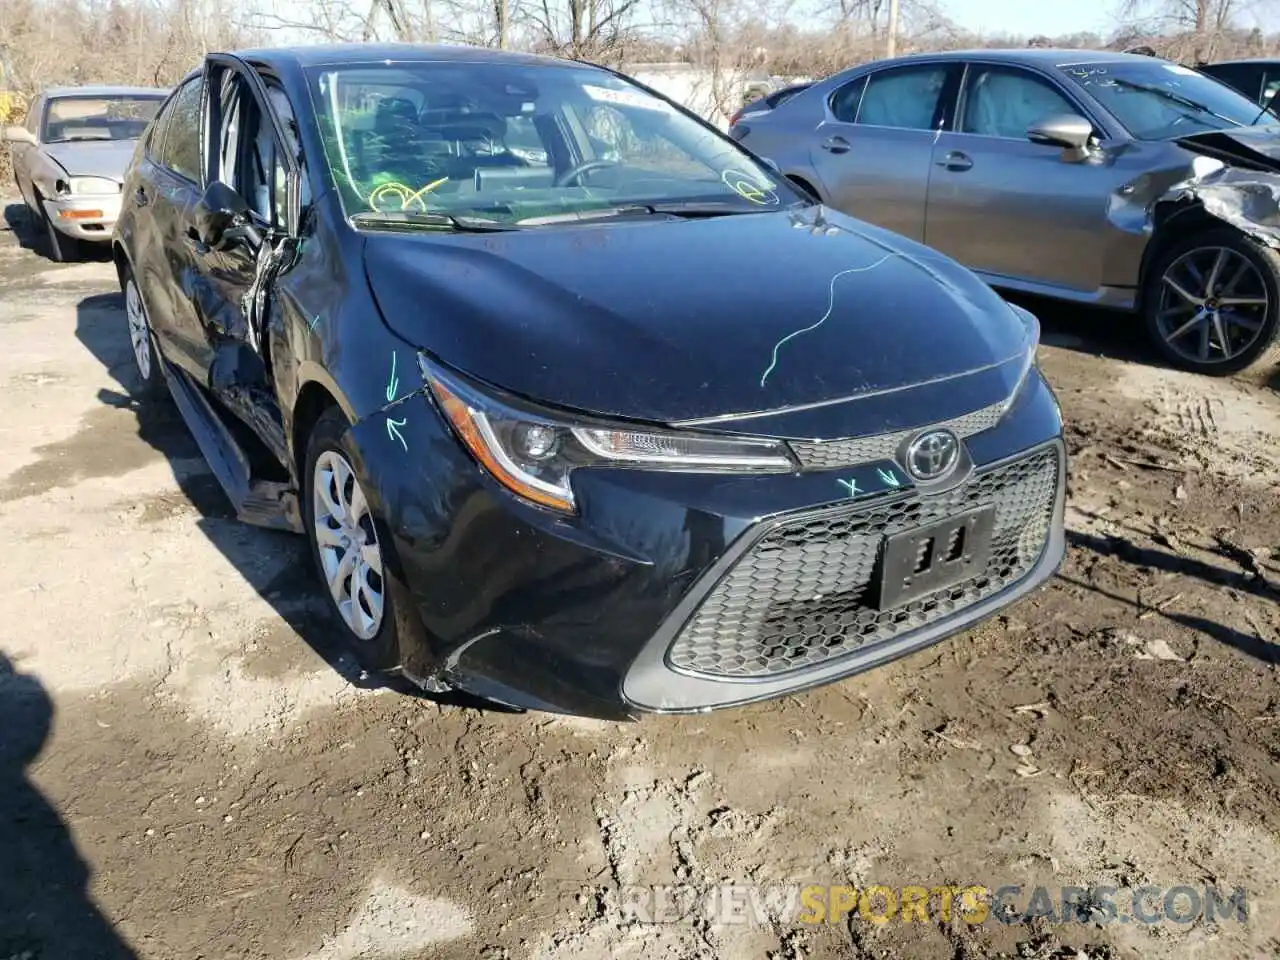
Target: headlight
pixel 533 452
pixel 1032 345
pixel 88 186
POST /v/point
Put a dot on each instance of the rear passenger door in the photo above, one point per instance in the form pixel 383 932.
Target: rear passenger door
pixel 165 192
pixel 873 151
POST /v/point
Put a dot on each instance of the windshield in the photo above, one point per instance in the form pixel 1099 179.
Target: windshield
pixel 98 118
pixel 517 142
pixel 1156 100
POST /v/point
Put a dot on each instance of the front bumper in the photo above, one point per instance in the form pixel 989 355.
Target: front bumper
pixel 89 218
pixel 663 596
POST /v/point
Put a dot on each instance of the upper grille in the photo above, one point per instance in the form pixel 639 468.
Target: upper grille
pixel 802 594
pixel 827 455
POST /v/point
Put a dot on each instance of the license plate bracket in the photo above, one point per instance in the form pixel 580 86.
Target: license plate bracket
pixel 920 561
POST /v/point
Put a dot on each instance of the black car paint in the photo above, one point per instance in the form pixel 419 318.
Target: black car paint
pixel 511 600
pixel 455 296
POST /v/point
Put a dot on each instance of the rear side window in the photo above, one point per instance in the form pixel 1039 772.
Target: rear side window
pixel 904 97
pixel 179 150
pixel 846 99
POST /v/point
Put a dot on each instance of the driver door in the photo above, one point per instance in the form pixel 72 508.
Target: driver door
pixel 245 148
pixel 1042 213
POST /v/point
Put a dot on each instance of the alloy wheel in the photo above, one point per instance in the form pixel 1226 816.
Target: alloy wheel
pixel 1213 305
pixel 347 542
pixel 139 335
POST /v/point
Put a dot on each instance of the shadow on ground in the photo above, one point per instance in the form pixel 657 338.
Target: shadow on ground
pixel 30 235
pixel 277 565
pixel 1168 562
pixel 45 907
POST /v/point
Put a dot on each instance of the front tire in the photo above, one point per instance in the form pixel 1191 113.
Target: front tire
pixel 61 248
pixel 146 358
pixel 1211 302
pixel 350 547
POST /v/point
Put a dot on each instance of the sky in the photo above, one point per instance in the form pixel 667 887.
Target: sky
pixel 1030 17
pixel 1024 17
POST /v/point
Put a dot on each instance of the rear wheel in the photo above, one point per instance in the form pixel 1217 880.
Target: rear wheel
pixel 349 545
pixel 1212 302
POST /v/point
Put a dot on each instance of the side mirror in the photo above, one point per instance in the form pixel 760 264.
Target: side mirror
pixel 17 134
pixel 222 219
pixel 1065 130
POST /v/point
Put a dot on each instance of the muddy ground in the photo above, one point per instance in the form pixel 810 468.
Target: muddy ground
pixel 189 770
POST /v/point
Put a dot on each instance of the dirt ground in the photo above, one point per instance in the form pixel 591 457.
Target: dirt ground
pixel 188 770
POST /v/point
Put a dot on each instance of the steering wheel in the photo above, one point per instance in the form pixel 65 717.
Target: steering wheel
pixel 569 176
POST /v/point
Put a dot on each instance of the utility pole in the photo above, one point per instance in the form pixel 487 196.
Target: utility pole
pixel 892 45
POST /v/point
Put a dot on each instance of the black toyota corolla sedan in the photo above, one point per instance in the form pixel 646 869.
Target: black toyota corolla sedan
pixel 476 324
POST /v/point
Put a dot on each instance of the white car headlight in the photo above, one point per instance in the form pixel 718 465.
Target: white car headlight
pixel 533 452
pixel 89 186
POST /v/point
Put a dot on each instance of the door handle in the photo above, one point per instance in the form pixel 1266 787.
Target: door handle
pixel 955 160
pixel 140 197
pixel 835 145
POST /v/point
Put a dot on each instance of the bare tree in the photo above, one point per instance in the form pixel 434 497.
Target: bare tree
pixel 1193 30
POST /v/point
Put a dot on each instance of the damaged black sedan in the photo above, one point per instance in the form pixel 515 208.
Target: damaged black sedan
pixel 476 323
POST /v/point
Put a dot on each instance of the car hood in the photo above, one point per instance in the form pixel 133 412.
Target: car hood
pixel 93 158
pixel 666 320
pixel 1257 147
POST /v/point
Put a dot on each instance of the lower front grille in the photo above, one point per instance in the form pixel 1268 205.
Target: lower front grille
pixel 803 594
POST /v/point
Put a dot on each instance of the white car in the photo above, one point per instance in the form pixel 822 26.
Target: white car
pixel 70 155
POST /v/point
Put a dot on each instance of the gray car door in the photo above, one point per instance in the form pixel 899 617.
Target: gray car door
pixel 1013 209
pixel 873 149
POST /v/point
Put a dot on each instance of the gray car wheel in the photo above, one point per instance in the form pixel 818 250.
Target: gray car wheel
pixel 350 546
pixel 146 358
pixel 1212 302
pixel 61 248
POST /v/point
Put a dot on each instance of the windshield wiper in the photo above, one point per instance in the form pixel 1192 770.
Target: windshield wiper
pixel 690 209
pixel 391 219
pixel 1175 98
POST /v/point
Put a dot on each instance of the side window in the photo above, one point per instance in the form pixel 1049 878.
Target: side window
pixel 180 149
pixel 33 114
pixel 1003 102
pixel 1270 86
pixel 284 110
pixel 615 137
pixel 846 100
pixel 905 97
pixel 249 153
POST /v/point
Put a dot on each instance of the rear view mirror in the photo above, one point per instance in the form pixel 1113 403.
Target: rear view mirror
pixel 222 219
pixel 1066 130
pixel 18 135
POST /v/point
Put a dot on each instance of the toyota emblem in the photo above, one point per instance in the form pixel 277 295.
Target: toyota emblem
pixel 933 455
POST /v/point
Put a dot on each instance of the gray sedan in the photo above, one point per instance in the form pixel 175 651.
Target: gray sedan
pixel 1122 181
pixel 70 155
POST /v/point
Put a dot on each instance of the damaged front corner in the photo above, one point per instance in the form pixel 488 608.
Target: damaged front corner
pixel 1248 200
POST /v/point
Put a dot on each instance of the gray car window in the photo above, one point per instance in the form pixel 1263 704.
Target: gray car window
pixel 1001 102
pixel 846 100
pixel 903 97
pixel 180 151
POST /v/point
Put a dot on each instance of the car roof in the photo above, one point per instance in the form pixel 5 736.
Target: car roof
pixel 336 54
pixel 1244 60
pixel 1037 56
pixel 104 90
